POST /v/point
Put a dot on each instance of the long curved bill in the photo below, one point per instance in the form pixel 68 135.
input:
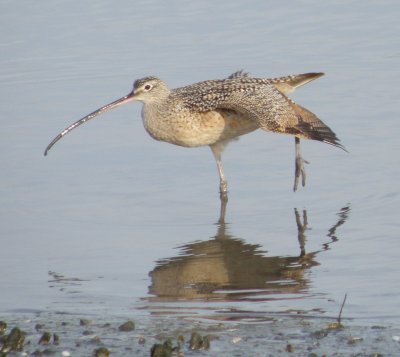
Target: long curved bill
pixel 117 103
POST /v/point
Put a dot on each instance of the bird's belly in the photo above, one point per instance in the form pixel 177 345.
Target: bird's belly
pixel 199 129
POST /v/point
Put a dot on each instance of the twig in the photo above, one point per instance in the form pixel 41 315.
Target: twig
pixel 341 309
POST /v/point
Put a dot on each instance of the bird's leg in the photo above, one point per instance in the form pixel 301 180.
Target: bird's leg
pixel 301 228
pixel 299 166
pixel 222 213
pixel 223 184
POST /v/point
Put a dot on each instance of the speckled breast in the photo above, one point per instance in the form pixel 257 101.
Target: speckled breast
pixel 192 129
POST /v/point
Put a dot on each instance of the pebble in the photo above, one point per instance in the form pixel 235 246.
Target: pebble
pixel 101 352
pixel 236 340
pixel 127 326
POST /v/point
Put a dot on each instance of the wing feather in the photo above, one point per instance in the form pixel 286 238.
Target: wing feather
pixel 261 100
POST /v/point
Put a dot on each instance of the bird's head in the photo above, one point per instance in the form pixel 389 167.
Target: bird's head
pixel 149 89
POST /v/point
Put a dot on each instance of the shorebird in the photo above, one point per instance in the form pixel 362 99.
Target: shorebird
pixel 214 112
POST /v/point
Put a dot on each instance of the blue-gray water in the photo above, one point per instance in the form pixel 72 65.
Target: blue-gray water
pixel 109 205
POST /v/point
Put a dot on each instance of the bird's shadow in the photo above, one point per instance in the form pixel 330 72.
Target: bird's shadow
pixel 226 268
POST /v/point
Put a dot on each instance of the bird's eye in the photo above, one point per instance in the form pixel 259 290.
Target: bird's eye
pixel 147 87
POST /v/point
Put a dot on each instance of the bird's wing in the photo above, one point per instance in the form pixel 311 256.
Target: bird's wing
pixel 275 112
pixel 259 100
pixel 288 84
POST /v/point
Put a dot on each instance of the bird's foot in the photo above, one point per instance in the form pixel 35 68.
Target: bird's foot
pixel 299 171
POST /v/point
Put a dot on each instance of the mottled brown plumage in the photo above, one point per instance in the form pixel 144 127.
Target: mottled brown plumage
pixel 214 112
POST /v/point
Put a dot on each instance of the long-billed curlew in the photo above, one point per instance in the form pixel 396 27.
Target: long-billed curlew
pixel 214 112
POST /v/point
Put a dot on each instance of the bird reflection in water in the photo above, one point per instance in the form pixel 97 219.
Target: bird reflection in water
pixel 227 268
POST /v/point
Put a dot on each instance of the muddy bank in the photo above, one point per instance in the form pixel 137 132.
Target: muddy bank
pixel 47 334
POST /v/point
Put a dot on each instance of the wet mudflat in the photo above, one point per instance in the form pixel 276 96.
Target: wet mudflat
pixel 70 335
pixel 113 226
pixel 220 296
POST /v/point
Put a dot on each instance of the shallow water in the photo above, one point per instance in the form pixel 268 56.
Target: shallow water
pixel 114 222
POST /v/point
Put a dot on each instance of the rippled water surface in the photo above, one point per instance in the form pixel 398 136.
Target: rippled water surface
pixel 112 221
